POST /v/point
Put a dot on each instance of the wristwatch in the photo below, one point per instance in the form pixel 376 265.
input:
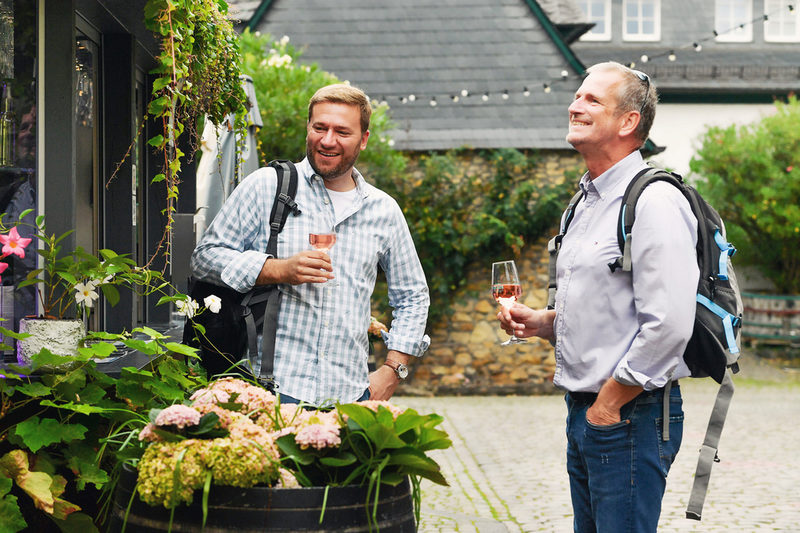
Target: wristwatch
pixel 399 368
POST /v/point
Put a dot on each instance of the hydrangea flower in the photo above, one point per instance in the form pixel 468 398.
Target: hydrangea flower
pixel 178 415
pixel 318 436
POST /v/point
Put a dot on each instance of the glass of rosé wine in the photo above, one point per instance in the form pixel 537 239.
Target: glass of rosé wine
pixel 322 239
pixel 506 289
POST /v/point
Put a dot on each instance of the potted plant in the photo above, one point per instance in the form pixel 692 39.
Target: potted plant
pixel 68 285
pixel 243 460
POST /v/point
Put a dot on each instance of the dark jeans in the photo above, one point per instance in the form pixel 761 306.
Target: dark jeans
pixel 618 473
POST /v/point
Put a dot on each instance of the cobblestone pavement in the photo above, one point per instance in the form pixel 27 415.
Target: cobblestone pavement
pixel 507 470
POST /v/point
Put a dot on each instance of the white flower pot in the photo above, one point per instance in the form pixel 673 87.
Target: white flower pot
pixel 61 337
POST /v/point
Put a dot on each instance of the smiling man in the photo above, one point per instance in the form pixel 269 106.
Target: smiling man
pixel 619 336
pixel 321 347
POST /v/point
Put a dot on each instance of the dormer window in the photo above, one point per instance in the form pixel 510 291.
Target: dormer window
pixel 732 21
pixel 641 20
pixel 598 12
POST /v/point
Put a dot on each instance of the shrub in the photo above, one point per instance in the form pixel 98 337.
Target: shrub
pixel 751 174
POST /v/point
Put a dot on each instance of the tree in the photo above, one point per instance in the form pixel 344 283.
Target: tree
pixel 751 174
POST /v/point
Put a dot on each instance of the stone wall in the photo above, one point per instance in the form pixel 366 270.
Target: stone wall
pixel 465 356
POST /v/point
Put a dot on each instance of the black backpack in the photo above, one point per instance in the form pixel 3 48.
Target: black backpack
pixel 233 332
pixel 713 349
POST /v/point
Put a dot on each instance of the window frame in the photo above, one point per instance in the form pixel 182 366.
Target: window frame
pixel 731 33
pixel 770 8
pixel 606 35
pixel 641 37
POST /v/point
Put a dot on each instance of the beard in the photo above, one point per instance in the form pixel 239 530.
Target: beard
pixel 348 160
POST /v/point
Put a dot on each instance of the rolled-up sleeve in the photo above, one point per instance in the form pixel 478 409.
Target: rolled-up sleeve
pixel 230 251
pixel 408 292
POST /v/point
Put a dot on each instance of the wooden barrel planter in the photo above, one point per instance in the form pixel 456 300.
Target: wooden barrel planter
pixel 262 509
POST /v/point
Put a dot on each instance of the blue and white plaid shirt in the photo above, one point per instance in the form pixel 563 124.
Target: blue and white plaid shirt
pixel 321 347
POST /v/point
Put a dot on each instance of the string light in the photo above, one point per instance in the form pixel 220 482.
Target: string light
pixel 564 75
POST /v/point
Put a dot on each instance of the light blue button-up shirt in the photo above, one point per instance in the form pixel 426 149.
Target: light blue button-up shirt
pixel 635 325
pixel 321 347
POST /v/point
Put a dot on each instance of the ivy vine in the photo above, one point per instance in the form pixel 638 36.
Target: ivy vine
pixel 198 70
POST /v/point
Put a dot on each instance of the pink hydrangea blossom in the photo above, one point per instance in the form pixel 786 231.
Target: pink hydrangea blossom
pixel 209 396
pixel 255 398
pixel 229 385
pixel 318 436
pixel 178 415
pixel 148 434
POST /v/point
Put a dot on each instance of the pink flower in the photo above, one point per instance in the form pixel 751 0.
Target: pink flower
pixel 148 434
pixel 209 396
pixel 3 267
pixel 14 244
pixel 318 436
pixel 178 415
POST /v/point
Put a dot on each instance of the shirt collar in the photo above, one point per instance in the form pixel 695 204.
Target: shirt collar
pixel 623 170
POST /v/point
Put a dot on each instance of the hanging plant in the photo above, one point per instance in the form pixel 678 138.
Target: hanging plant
pixel 199 68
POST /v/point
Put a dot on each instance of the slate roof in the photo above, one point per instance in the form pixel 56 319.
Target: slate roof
pixel 719 68
pixel 436 48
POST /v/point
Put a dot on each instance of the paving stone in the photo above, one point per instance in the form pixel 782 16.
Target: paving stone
pixel 507 466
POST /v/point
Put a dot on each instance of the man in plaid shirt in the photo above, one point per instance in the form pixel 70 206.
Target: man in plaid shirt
pixel 321 347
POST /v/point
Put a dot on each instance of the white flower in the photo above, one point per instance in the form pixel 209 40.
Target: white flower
pixel 284 40
pixel 187 307
pixel 213 303
pixel 85 293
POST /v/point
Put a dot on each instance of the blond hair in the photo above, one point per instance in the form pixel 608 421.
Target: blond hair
pixel 341 93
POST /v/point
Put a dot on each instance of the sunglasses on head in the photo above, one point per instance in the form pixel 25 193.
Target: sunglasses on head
pixel 646 80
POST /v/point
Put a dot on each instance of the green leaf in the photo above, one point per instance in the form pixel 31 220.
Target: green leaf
pixel 181 348
pixel 38 433
pixel 81 408
pixel 11 519
pixel 88 472
pixel 77 523
pixel 343 459
pixel 46 357
pixel 34 389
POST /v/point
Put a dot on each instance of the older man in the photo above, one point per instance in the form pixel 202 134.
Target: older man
pixel 619 336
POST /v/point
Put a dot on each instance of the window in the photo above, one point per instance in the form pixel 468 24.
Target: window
pixel 733 21
pixel 598 12
pixel 641 20
pixel 782 24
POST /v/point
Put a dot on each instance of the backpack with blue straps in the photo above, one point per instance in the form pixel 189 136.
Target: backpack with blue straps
pixel 713 349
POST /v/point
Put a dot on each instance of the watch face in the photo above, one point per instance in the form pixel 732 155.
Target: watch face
pixel 402 371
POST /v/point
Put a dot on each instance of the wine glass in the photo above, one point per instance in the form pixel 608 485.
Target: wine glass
pixel 322 239
pixel 506 289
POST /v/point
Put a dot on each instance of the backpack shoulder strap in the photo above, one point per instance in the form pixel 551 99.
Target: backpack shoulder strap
pixel 284 201
pixel 627 211
pixel 555 245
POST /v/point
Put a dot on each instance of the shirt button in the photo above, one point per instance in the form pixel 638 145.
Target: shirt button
pixel 326 201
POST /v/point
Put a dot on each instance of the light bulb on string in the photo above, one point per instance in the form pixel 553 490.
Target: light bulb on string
pixel 411 97
pixel 505 94
pixel 403 99
pixel 454 98
pixel 546 88
pixel 526 91
pixel 644 58
pixel 697 47
pixel 464 93
pixel 672 56
pixel 564 74
pixel 433 101
pixel 485 97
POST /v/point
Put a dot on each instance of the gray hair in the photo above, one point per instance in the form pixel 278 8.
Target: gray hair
pixel 636 93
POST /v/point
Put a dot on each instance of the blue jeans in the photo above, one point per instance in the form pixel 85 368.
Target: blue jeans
pixel 288 399
pixel 618 473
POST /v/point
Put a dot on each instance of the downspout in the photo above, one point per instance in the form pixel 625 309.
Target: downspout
pixel 258 15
